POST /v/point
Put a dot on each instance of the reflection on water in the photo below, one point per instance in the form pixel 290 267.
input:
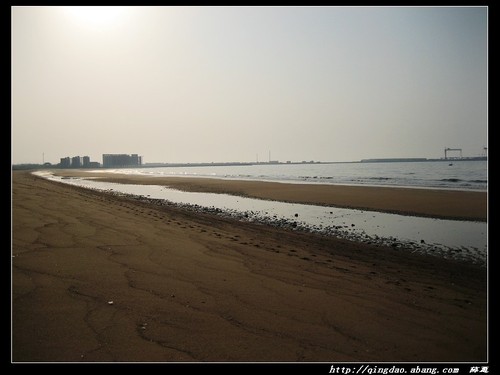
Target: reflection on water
pixel 465 240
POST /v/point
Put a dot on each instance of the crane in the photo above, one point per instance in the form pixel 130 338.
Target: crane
pixel 451 149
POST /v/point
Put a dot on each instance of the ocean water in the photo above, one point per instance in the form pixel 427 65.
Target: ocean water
pixel 462 175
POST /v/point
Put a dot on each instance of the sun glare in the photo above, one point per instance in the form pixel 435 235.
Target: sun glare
pixel 96 17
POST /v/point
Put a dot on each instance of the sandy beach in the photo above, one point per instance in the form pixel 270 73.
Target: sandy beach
pixel 454 204
pixel 103 278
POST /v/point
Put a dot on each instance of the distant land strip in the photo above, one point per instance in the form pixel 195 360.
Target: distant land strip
pixel 273 162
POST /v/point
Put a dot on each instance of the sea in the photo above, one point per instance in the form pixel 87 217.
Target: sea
pixel 454 239
pixel 446 174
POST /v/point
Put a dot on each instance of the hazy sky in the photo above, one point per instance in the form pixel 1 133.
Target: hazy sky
pixel 203 84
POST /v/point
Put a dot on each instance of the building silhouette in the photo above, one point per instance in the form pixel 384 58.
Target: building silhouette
pixel 121 160
pixel 76 162
pixel 65 162
pixel 108 161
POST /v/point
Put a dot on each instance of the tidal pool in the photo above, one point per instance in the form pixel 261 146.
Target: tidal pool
pixel 457 239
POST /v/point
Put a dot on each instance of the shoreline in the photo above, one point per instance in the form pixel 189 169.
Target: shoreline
pixel 434 203
pixel 98 277
pixel 294 182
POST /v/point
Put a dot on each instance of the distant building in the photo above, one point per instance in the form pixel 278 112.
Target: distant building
pixel 136 159
pixel 121 160
pixel 76 162
pixel 65 162
pixel 86 162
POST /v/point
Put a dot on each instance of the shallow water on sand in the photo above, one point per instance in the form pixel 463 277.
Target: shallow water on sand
pixel 463 240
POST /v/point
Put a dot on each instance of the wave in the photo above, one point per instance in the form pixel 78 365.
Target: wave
pixel 416 174
pixel 466 181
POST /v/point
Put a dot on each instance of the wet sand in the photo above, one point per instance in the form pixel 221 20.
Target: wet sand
pixel 452 204
pixel 100 278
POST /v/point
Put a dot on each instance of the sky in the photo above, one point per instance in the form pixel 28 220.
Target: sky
pixel 226 84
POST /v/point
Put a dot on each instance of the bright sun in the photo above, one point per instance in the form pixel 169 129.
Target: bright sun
pixel 95 17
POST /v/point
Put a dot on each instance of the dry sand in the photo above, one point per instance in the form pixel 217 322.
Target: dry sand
pixel 97 277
